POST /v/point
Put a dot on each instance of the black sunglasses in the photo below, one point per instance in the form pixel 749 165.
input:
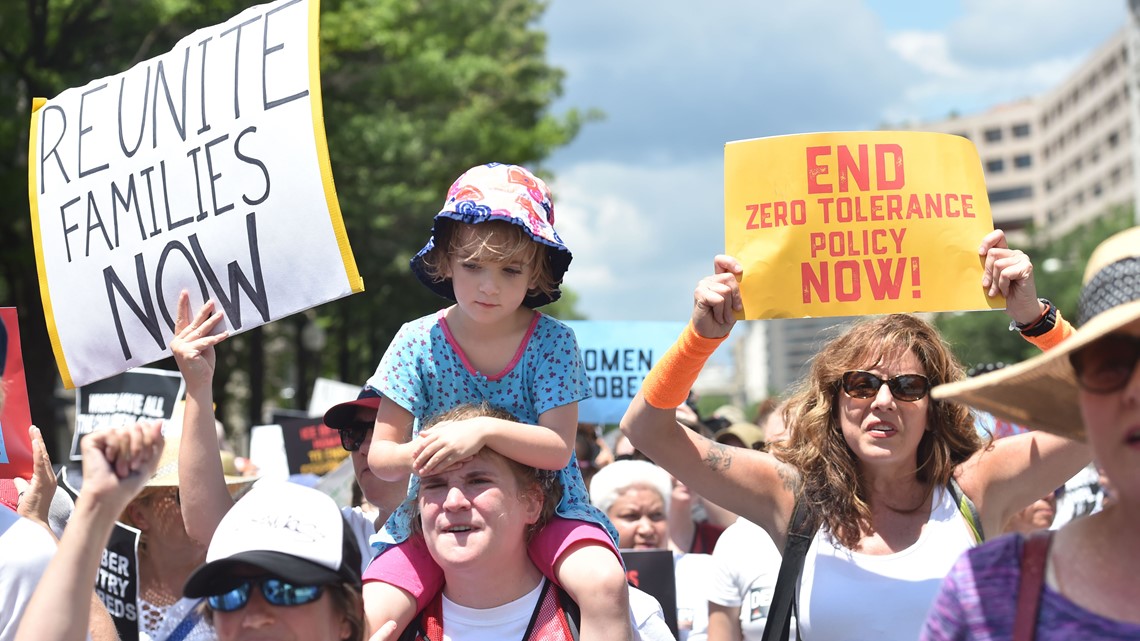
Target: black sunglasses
pixel 904 387
pixel 277 592
pixel 1106 364
pixel 353 436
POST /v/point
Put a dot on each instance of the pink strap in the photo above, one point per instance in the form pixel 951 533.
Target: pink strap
pixel 1034 558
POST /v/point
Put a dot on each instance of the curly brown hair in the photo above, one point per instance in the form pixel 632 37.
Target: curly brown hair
pixel 496 241
pixel 831 483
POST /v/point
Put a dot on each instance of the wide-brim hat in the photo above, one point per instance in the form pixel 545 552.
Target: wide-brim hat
pixel 1042 392
pixel 750 434
pixel 508 193
pixel 166 474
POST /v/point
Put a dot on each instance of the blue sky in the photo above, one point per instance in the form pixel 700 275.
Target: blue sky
pixel 639 195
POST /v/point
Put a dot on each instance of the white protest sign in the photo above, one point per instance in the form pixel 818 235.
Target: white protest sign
pixel 205 169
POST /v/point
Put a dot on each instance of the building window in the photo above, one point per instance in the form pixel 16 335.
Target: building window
pixel 1021 131
pixel 992 135
pixel 1022 161
pixel 1013 193
pixel 1114 139
pixel 1097 190
pixel 995 166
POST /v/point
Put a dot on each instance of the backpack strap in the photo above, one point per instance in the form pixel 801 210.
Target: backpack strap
pixel 801 531
pixel 555 617
pixel 968 509
pixel 1034 559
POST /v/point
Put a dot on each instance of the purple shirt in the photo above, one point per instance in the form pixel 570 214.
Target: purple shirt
pixel 978 600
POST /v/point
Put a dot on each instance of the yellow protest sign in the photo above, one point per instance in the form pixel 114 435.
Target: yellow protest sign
pixel 853 223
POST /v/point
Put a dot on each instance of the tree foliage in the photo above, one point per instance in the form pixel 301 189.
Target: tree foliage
pixel 415 92
pixel 1059 264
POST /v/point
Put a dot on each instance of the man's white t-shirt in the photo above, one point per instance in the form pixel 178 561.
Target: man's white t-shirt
pixel 746 564
pixel 363 526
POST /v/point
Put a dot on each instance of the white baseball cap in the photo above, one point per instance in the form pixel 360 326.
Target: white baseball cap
pixel 292 532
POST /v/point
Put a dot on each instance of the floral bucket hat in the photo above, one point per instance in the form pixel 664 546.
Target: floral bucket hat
pixel 500 192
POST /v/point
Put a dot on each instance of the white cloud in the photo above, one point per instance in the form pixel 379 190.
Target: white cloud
pixel 641 236
pixel 1019 33
pixel 640 194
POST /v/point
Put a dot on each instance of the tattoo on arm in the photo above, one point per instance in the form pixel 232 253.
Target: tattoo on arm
pixel 718 457
pixel 790 477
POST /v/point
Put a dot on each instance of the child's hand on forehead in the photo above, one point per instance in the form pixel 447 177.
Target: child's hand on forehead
pixel 447 444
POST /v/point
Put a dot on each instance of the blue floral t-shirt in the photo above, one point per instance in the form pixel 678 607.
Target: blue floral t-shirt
pixel 425 372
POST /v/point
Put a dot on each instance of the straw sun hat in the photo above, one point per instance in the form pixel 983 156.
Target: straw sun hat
pixel 1042 391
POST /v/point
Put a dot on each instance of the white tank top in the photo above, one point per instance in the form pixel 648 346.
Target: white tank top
pixel 849 595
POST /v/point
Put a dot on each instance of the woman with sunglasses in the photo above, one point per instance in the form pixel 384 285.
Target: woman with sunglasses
pixel 872 462
pixel 283 564
pixel 1079 582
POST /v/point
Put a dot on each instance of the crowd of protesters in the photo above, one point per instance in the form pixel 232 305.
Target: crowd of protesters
pixel 499 515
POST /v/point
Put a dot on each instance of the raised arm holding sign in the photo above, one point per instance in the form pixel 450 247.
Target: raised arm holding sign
pixel 872 462
pixel 204 169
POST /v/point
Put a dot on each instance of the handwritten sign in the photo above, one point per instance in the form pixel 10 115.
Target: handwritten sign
pixel 206 169
pixel 618 355
pixel 138 395
pixel 15 416
pixel 856 223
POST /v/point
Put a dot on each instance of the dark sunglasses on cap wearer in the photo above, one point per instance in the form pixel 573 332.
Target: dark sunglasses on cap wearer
pixel 352 436
pixel 904 387
pixel 277 592
pixel 1106 364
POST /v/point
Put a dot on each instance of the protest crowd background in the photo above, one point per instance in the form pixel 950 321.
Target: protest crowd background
pixel 164 493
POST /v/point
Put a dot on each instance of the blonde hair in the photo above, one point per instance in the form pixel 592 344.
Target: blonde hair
pixel 496 241
pixel 831 480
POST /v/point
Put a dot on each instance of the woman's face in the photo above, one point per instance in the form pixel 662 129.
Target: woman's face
pixel 1112 422
pixel 1038 516
pixel 639 516
pixel 476 513
pixel 320 620
pixel 882 429
pixel 159 515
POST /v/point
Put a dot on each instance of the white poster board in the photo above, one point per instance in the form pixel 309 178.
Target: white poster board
pixel 204 169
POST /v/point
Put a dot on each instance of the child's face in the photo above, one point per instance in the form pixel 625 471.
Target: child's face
pixel 489 291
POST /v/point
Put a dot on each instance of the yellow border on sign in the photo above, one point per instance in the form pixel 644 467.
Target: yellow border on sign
pixel 354 279
pixel 37 241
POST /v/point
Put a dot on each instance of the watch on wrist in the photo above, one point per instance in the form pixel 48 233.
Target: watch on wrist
pixel 1042 325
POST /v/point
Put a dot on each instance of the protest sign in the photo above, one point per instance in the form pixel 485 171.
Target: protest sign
pixel 267 452
pixel 116 583
pixel 652 572
pixel 138 395
pixel 204 169
pixel 311 447
pixel 328 392
pixel 15 417
pixel 618 355
pixel 839 224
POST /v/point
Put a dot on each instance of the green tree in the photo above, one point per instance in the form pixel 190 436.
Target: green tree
pixel 414 93
pixel 1059 264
